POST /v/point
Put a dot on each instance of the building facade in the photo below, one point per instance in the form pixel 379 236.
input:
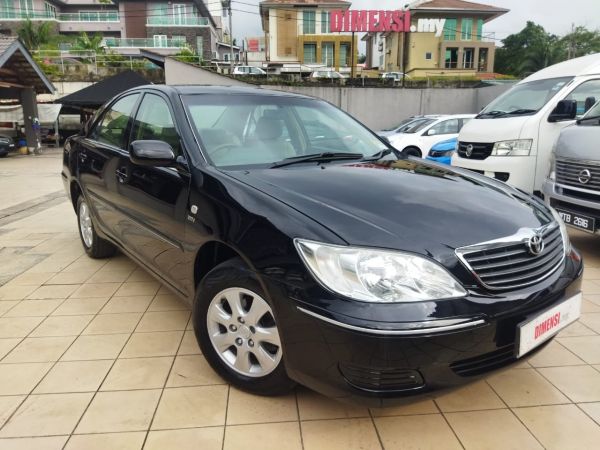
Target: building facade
pixel 298 36
pixel 447 38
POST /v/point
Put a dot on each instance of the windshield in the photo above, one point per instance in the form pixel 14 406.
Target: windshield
pixel 527 97
pixel 416 126
pixel 240 131
pixel 401 124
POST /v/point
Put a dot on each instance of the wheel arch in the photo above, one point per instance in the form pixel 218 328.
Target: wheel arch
pixel 75 191
pixel 210 255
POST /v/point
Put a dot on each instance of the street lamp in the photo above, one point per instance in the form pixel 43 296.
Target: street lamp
pixel 226 4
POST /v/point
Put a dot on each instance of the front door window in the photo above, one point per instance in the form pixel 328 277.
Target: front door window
pixel 112 128
pixel 155 123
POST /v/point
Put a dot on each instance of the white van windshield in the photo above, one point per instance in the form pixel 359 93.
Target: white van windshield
pixel 524 99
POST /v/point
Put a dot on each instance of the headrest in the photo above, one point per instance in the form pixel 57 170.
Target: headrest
pixel 269 128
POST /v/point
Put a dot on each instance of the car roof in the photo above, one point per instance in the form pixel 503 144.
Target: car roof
pixel 218 90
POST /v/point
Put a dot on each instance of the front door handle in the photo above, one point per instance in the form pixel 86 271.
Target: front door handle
pixel 122 174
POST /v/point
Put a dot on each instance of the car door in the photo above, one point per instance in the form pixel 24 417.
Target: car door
pixel 153 200
pixel 445 129
pixel 99 153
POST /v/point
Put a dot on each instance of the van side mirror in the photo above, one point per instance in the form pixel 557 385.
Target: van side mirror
pixel 565 110
pixel 151 153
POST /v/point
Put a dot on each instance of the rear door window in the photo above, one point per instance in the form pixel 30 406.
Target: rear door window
pixel 154 122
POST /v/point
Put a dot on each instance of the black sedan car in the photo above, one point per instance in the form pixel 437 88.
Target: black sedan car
pixel 6 145
pixel 313 252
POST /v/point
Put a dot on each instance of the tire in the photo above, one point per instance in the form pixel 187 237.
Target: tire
pixel 250 354
pixel 412 151
pixel 94 246
pixel 3 155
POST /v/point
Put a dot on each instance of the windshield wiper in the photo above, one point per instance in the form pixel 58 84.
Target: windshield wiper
pixel 516 112
pixel 489 113
pixel 325 156
pixel 377 156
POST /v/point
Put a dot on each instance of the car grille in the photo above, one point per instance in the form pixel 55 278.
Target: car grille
pixel 480 150
pixel 381 379
pixel 508 263
pixel 569 172
pixel 485 363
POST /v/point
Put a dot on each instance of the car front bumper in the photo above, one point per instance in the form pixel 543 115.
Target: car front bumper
pixel 377 368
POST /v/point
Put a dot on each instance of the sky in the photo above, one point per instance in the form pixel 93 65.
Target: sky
pixel 554 15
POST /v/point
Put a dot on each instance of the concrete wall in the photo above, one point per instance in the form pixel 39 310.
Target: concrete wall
pixel 177 72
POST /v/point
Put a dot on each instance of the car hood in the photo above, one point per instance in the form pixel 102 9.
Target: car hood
pixel 579 142
pixel 408 204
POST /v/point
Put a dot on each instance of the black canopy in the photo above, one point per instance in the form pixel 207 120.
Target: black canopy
pixel 94 96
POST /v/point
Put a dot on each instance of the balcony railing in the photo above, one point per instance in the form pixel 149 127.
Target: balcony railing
pixel 144 43
pixel 22 15
pixel 176 21
pixel 90 16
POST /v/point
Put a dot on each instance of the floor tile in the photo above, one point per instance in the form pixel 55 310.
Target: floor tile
pixel 412 407
pixel 591 320
pixel 561 427
pixel 191 407
pixel 32 278
pixel 8 405
pixel 54 291
pixel 95 290
pixel 189 345
pixel 138 373
pixel 38 443
pixel 108 276
pixel 163 321
pixel 138 288
pixel 7 344
pixel 244 408
pixel 7 305
pixel 344 434
pixel 594 298
pixel 140 274
pixel 592 410
pixel 119 411
pixel 554 354
pixel 152 344
pixel 135 304
pixel 576 329
pixel 107 441
pixel 525 387
pixel 62 326
pixel 113 323
pixel 74 376
pixel 21 378
pixel 428 431
pixel 79 277
pixel 210 438
pixel 33 308
pixel 272 436
pixel 96 347
pixel 39 349
pixel 586 347
pixel 588 306
pixel 10 292
pixel 47 415
pixel 579 383
pixel 13 327
pixel 470 397
pixel 313 406
pixel 192 370
pixel 80 306
pixel 497 429
pixel 168 302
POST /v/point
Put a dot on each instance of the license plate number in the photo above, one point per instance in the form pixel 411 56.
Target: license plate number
pixel 542 327
pixel 577 220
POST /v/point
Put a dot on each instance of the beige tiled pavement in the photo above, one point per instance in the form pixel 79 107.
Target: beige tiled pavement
pixel 96 355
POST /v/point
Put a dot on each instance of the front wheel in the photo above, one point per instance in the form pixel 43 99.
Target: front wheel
pixel 412 151
pixel 94 245
pixel 237 331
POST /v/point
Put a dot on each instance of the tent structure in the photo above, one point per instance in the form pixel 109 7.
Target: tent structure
pixel 94 96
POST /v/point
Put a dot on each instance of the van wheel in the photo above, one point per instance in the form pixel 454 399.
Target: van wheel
pixel 236 329
pixel 94 246
pixel 412 151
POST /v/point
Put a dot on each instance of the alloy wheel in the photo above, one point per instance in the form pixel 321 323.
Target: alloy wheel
pixel 85 225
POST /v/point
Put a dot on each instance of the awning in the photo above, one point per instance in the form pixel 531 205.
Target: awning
pixel 48 113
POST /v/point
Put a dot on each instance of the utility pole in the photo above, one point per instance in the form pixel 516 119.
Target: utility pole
pixel 227 5
pixel 572 50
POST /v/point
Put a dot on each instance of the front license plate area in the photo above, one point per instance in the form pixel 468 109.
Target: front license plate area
pixel 579 221
pixel 534 331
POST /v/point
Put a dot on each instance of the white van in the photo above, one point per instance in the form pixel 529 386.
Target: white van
pixel 512 138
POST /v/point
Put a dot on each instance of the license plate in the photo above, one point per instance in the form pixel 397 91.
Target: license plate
pixel 577 220
pixel 542 327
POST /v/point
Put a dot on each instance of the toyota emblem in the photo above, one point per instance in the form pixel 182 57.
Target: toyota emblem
pixel 469 150
pixel 585 176
pixel 535 245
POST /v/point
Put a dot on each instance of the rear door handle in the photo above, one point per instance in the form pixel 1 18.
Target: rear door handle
pixel 122 174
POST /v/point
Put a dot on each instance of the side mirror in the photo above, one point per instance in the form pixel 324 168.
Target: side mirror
pixel 431 132
pixel 152 153
pixel 565 110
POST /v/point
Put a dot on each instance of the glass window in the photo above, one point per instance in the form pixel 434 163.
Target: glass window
pixel 451 61
pixel 112 128
pixel 7 9
pixel 325 23
pixel 586 95
pixel 26 8
pixel 154 122
pixel 450 126
pixel 327 54
pixel 160 40
pixel 310 53
pixel 345 55
pixel 466 29
pixel 468 58
pixel 50 10
pixel 479 36
pixel 450 30
pixel 200 47
pixel 308 22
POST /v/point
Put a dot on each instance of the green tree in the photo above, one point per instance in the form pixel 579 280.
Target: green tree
pixel 34 36
pixel 581 42
pixel 89 43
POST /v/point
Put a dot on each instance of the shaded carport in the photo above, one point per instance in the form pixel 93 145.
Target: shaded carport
pixel 21 79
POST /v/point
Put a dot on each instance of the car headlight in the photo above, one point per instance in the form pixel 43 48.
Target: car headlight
pixel 563 230
pixel 552 174
pixel 518 147
pixel 378 276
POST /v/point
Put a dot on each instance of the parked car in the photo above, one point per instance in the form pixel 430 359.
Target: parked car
pixel 248 70
pixel 443 151
pixel 417 140
pixel 406 124
pixel 316 255
pixel 6 145
pixel 396 76
pixel 512 138
pixel 573 186
pixel 326 73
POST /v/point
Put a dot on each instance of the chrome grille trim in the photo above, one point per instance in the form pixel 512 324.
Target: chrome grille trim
pixel 568 170
pixel 506 263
